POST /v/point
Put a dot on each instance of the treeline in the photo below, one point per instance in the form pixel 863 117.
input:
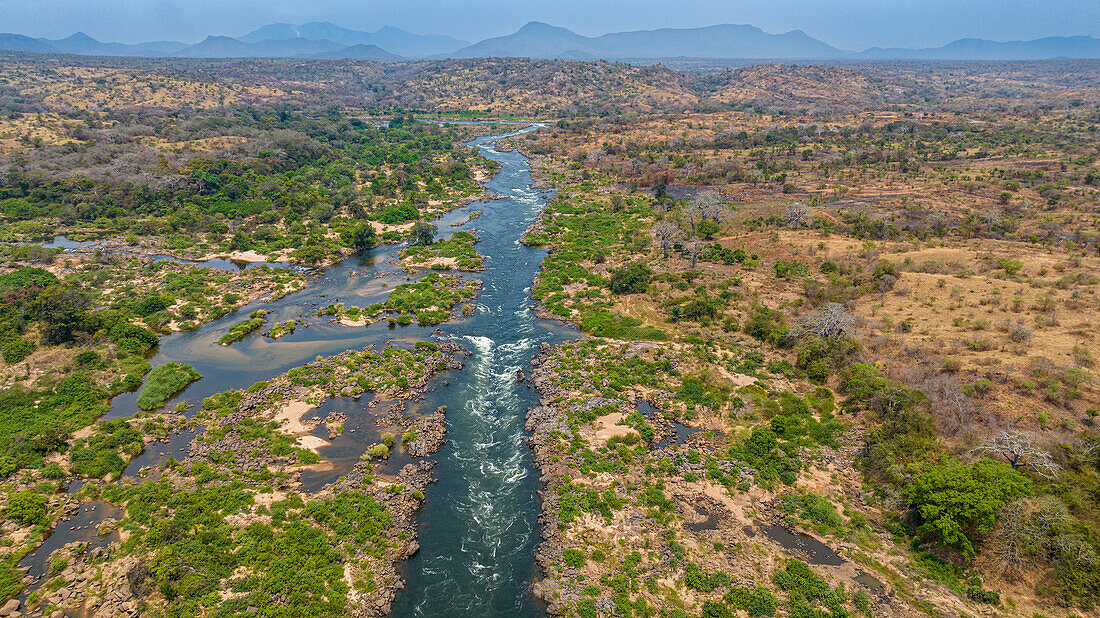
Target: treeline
pixel 297 178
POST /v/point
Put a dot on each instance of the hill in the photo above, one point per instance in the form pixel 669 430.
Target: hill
pixel 539 40
pixel 389 38
pixel 1079 47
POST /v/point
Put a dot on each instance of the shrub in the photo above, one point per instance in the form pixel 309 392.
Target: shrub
pixel 377 451
pixel 399 214
pixel 152 304
pixel 99 455
pixel 574 557
pixel 27 507
pixel 712 609
pixel 763 602
pixel 632 279
pixel 16 350
pixel 766 325
pixel 164 382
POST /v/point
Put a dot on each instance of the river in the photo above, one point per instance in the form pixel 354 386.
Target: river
pixel 479 525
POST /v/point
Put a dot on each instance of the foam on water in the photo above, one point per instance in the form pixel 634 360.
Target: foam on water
pixel 478 529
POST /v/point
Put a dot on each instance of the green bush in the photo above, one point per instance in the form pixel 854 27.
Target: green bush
pixel 574 557
pixel 399 214
pixel 151 304
pixel 102 454
pixel 763 602
pixel 27 507
pixel 614 326
pixel 632 279
pixel 164 382
pixel 713 609
pixel 16 350
pixel 957 504
pixel 766 325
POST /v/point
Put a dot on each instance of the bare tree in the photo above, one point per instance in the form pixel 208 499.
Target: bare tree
pixel 954 409
pixel 705 205
pixel 796 215
pixel 708 204
pixel 1019 450
pixel 1024 529
pixel 666 233
pixel 993 217
pixel 832 321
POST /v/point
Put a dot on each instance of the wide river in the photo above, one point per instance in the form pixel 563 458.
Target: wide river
pixel 479 525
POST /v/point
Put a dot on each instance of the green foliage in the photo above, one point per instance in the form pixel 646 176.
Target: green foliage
pixel 574 557
pixel 904 433
pixel 16 350
pixel 101 454
pixel 817 510
pixel 573 500
pixel 28 508
pixel 713 609
pixel 957 504
pixel 151 304
pixel 631 279
pixel 395 215
pixel 459 247
pixel 362 236
pixel 696 578
pixel 28 277
pixel 241 330
pixel 766 325
pixel 763 602
pixel 62 310
pixel 422 233
pixel 806 589
pixel 164 382
pixel 614 326
pixel 40 422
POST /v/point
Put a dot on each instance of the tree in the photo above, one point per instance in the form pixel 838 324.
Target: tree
pixel 1019 451
pixel 632 279
pixel 957 504
pixel 423 233
pixel 667 234
pixel 311 254
pixel 63 311
pixel 796 215
pixel 833 321
pixel 360 237
pixel 708 228
pixel 1026 530
pixel 706 205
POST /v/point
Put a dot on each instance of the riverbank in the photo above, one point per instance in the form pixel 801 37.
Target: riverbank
pixel 257 445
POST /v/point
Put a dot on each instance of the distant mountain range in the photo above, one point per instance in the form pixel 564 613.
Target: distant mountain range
pixel 539 40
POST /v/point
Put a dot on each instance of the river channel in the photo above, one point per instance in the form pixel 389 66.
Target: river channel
pixel 479 526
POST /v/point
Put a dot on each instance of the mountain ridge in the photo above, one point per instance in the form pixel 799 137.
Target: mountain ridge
pixel 545 41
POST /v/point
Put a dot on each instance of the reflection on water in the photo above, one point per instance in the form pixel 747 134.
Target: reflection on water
pixel 814 550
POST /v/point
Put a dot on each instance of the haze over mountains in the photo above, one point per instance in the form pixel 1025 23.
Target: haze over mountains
pixel 539 40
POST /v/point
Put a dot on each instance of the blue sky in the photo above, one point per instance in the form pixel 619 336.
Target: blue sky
pixel 849 24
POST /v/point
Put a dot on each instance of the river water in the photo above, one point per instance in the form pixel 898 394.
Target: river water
pixel 479 525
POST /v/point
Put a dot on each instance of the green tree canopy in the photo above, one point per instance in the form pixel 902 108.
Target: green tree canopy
pixel 957 504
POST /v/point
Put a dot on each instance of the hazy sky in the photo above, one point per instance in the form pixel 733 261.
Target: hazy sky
pixel 848 24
